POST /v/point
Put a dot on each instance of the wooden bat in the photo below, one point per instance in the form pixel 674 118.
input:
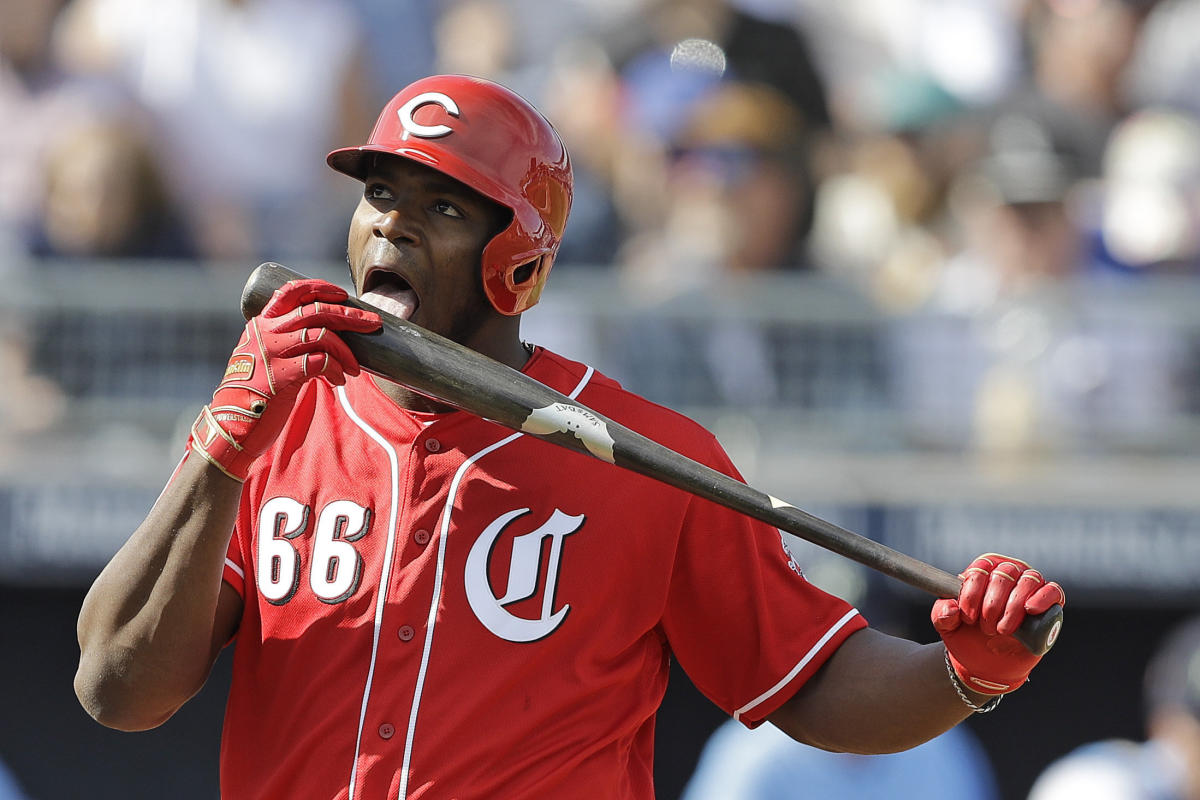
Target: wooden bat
pixel 449 372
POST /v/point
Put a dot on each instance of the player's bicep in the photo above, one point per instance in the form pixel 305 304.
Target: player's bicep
pixel 875 694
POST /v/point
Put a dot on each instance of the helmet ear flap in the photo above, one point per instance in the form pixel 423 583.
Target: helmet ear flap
pixel 513 290
pixel 515 268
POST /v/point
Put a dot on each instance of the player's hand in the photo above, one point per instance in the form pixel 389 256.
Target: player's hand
pixel 977 626
pixel 289 343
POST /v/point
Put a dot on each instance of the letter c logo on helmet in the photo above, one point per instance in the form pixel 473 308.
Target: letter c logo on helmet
pixel 405 112
pixel 501 147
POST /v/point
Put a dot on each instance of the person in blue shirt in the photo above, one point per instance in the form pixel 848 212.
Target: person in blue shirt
pixel 765 764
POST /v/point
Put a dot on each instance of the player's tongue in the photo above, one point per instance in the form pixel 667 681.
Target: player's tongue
pixel 394 298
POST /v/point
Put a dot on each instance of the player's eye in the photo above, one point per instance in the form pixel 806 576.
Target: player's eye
pixel 447 208
pixel 376 191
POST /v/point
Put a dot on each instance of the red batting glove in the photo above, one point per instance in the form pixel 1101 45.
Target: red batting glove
pixel 997 592
pixel 289 343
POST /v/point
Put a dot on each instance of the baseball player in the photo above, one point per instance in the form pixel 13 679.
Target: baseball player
pixel 426 604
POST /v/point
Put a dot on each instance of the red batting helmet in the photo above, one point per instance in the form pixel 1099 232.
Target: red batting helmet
pixel 494 141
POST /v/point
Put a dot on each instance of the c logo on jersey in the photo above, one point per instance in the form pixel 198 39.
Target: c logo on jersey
pixel 523 570
pixel 414 128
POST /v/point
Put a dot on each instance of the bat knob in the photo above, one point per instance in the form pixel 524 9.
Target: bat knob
pixel 261 284
pixel 1039 632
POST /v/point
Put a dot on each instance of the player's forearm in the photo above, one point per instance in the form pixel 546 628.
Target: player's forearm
pixel 146 628
pixel 877 694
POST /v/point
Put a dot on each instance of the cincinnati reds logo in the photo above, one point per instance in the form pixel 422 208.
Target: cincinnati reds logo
pixel 414 128
pixel 523 572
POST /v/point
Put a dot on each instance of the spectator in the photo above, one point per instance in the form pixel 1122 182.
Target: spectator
pixel 764 764
pixel 874 55
pixel 245 94
pixel 105 197
pixel 879 205
pixel 37 101
pixel 584 95
pixel 1165 64
pixel 736 193
pixel 1003 362
pixel 1166 765
pixel 755 48
pixel 733 201
pixel 1144 212
pixel 1078 57
pixel 9 788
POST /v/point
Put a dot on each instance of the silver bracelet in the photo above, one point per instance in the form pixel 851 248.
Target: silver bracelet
pixel 990 705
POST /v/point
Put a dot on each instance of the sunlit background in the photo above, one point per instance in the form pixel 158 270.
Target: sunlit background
pixel 928 268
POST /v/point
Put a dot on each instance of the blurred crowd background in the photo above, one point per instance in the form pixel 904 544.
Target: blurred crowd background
pixel 954 157
pixel 928 268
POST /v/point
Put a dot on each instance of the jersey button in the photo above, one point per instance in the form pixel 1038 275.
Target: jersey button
pixel 387 730
pixel 421 537
pixel 433 445
pixel 406 633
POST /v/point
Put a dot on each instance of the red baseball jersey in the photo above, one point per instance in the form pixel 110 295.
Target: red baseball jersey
pixel 439 607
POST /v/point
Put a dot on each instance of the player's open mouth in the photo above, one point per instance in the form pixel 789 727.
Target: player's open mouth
pixel 390 292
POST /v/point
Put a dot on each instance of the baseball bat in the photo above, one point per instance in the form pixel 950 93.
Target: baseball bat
pixel 444 370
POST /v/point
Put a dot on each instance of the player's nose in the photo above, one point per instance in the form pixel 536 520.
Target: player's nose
pixel 396 225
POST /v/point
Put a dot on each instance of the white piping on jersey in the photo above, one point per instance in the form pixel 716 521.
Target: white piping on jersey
pixel 393 464
pixel 816 648
pixel 241 573
pixel 431 620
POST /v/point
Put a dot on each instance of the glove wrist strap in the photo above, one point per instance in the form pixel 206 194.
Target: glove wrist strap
pixel 959 687
pixel 215 444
